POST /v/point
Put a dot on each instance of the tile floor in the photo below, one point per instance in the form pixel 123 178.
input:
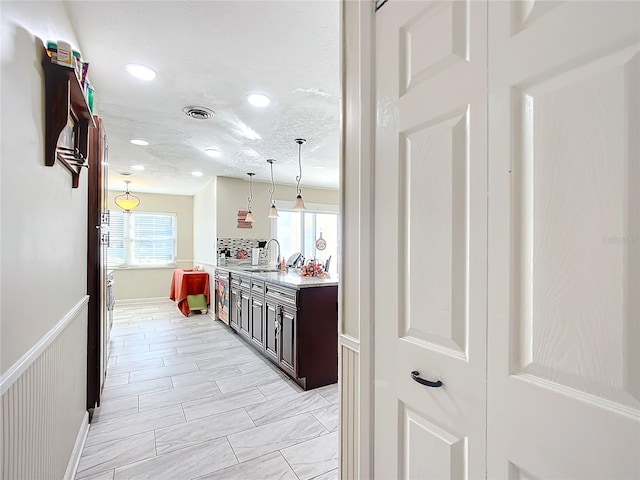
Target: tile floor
pixel 185 398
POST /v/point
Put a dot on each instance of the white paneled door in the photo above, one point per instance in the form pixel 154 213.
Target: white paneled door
pixel 507 240
pixel 430 239
pixel 564 240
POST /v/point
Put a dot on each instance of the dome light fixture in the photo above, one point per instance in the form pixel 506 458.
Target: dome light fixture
pixel 249 217
pixel 139 141
pixel 298 205
pixel 258 99
pixel 197 173
pixel 273 211
pixel 141 71
pixel 127 201
pixel 138 168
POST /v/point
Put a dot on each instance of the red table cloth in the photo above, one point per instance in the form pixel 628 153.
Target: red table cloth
pixel 188 282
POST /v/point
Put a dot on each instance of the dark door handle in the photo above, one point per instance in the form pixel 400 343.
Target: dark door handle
pixel 416 376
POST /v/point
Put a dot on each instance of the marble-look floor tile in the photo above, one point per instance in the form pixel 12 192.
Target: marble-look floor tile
pixel 133 366
pixel 280 389
pixel 328 416
pixel 108 475
pixel 148 341
pixel 127 425
pixel 109 455
pixel 269 467
pixel 116 407
pixel 330 392
pixel 284 407
pixel 268 438
pixel 183 464
pixel 313 457
pixel 202 376
pixel 332 475
pixel 259 365
pixel 138 388
pixel 160 372
pixel 192 357
pixel 177 395
pixel 177 344
pixel 227 385
pixel 197 348
pixel 222 403
pixel 125 350
pixel 223 361
pixel 115 380
pixel 138 357
pixel 202 430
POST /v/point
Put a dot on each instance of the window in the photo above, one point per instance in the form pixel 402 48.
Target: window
pixel 140 239
pixel 299 231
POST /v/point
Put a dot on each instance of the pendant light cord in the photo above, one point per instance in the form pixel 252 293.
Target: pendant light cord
pixel 299 177
pixel 250 191
pixel 272 190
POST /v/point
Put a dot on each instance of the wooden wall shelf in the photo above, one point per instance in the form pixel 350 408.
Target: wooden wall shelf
pixel 67 119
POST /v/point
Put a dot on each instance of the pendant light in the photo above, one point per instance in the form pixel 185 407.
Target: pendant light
pixel 273 211
pixel 298 205
pixel 127 201
pixel 249 217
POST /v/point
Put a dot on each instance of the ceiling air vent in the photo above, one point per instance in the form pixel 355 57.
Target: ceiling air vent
pixel 199 113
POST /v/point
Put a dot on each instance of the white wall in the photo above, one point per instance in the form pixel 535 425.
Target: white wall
pixel 232 196
pixel 204 225
pixel 43 232
pixel 153 282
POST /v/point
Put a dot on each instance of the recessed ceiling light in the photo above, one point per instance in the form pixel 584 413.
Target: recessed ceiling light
pixel 258 99
pixel 139 141
pixel 139 168
pixel 141 71
pixel 197 174
pixel 319 167
pixel 212 152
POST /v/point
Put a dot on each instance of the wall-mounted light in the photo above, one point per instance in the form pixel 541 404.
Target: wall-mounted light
pixel 127 201
pixel 249 217
pixel 273 211
pixel 299 203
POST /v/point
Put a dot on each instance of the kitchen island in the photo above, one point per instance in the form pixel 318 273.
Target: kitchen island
pixel 290 319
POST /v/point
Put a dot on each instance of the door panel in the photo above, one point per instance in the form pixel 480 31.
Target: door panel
pixel 257 307
pixel 564 313
pixel 430 227
pixel 245 313
pixel 271 331
pixel 288 336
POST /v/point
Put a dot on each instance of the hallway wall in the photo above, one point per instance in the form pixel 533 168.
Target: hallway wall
pixel 43 234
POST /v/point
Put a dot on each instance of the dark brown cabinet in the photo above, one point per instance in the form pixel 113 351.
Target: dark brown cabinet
pixel 67 119
pixel 257 314
pixel 271 329
pixel 234 304
pixel 288 357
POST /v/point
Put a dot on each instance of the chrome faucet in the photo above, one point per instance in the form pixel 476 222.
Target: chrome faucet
pixel 278 244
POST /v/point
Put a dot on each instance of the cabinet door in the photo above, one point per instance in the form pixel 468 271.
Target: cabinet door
pixel 245 313
pixel 257 317
pixel 288 345
pixel 271 329
pixel 234 309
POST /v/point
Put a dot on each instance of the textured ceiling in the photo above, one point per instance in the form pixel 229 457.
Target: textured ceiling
pixel 212 54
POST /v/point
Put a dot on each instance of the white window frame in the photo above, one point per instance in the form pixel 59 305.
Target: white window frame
pixel 128 242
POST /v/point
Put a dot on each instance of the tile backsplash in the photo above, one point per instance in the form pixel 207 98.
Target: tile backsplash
pixel 235 244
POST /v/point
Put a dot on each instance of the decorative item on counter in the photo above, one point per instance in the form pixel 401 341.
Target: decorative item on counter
pixel 242 254
pixel 313 268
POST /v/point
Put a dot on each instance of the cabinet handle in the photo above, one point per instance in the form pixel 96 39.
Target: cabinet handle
pixel 416 376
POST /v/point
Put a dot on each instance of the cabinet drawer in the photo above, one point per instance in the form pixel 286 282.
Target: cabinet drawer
pixel 257 288
pixel 281 295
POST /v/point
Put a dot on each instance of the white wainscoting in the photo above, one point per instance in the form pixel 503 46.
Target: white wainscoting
pixel 44 418
pixel 349 407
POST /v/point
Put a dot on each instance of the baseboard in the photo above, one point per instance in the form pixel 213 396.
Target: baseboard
pixel 74 461
pixel 136 301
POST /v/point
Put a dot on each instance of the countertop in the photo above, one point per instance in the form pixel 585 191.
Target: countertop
pixel 289 279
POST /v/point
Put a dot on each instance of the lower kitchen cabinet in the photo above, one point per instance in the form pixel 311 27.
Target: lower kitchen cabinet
pixel 295 328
